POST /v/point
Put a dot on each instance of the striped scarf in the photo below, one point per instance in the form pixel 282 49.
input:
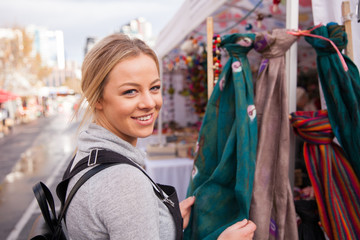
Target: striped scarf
pixel 336 186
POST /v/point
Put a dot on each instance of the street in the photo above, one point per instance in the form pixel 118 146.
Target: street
pixel 35 151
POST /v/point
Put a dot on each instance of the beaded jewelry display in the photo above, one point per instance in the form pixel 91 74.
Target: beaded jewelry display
pixel 217 57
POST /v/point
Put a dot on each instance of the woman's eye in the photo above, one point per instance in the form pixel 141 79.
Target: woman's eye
pixel 155 88
pixel 130 92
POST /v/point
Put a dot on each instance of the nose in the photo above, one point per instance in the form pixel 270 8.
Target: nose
pixel 147 100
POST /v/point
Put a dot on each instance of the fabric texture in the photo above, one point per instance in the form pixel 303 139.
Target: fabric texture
pixel 118 201
pixel 341 90
pixel 336 186
pixel 225 161
pixel 272 206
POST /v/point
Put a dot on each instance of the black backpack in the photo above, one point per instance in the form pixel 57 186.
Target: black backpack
pixel 49 225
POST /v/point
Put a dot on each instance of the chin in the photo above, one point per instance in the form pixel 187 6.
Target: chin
pixel 144 134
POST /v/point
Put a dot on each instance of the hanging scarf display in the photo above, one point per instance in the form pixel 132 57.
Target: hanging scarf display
pixel 336 186
pixel 341 89
pixel 225 161
pixel 272 206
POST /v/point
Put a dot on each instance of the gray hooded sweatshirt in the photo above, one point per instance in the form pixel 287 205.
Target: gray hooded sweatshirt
pixel 118 202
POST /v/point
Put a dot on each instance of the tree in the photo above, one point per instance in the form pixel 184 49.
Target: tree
pixel 15 56
pixel 73 83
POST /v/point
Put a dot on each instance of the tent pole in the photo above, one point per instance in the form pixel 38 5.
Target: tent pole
pixel 210 71
pixel 292 22
pixel 345 10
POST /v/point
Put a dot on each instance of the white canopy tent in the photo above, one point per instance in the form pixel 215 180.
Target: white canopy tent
pixel 193 13
pixel 190 15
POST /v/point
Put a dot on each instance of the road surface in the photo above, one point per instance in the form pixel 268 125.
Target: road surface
pixel 36 151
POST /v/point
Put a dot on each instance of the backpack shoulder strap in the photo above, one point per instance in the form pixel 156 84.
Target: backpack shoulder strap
pixel 101 157
pixel 77 185
pixel 46 201
pixel 97 156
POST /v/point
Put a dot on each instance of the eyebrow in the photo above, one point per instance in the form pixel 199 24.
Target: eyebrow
pixel 136 84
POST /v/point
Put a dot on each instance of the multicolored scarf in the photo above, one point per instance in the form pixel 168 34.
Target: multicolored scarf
pixel 336 186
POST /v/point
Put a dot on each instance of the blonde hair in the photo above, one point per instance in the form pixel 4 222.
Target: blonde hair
pixel 99 62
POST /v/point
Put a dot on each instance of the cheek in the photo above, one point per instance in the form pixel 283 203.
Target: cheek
pixel 126 109
pixel 159 102
pixel 120 108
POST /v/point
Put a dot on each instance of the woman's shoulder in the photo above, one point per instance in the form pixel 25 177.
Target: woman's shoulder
pixel 120 183
pixel 115 197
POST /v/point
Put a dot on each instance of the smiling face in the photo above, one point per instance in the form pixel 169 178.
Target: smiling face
pixel 131 99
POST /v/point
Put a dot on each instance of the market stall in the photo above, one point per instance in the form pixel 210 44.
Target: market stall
pixel 230 17
pixel 181 47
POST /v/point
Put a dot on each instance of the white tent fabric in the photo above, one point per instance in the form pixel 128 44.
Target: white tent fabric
pixel 191 14
pixel 190 20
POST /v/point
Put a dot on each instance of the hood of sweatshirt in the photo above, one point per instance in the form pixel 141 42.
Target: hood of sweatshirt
pixel 97 137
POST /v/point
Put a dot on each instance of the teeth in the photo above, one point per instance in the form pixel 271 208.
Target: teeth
pixel 144 118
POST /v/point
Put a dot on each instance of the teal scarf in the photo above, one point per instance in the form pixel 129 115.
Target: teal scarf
pixel 225 162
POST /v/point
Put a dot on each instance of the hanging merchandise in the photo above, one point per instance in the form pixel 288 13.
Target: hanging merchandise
pixel 195 87
pixel 224 164
pixel 336 186
pixel 217 57
pixel 169 103
pixel 272 206
pixel 192 61
pixel 340 82
pixel 275 7
pixel 259 18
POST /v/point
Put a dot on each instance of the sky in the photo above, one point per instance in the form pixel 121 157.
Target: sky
pixel 79 19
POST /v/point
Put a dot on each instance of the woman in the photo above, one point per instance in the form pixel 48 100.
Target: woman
pixel 121 85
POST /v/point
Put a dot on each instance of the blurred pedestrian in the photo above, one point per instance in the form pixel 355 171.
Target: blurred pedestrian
pixel 122 89
pixel 4 118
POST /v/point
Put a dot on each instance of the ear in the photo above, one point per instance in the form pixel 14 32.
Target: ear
pixel 99 105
